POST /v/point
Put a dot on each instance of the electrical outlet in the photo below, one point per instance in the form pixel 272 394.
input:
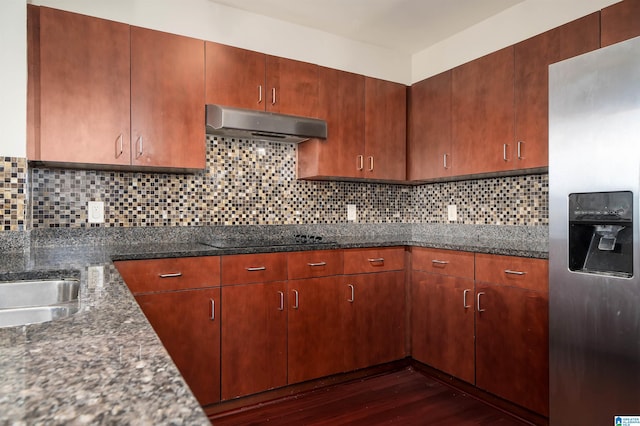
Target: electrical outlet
pixel 95 211
pixel 95 276
pixel 351 212
pixel 452 213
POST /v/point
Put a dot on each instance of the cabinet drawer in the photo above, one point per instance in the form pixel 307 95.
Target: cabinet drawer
pixel 358 261
pixel 153 275
pixel 445 262
pixel 513 271
pixel 316 263
pixel 254 268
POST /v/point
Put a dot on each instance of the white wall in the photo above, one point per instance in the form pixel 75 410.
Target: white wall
pixel 513 25
pixel 13 78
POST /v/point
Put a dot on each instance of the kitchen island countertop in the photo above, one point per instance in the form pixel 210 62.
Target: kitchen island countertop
pixel 105 364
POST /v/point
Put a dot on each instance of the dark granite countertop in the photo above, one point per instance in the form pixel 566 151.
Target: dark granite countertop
pixel 105 364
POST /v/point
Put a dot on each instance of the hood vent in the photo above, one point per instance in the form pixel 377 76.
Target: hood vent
pixel 250 124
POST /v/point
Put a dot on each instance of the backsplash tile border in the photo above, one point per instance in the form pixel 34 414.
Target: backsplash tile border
pixel 250 182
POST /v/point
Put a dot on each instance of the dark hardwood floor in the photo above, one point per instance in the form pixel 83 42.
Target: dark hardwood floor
pixel 404 397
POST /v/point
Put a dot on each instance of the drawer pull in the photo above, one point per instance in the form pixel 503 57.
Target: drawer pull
pixel 213 310
pixel 281 308
pixel 479 308
pixel 171 275
pixel 376 260
pixel 440 262
pixel 464 299
pixel 296 303
pixel 317 264
pixel 510 272
pixel 353 293
pixel 257 268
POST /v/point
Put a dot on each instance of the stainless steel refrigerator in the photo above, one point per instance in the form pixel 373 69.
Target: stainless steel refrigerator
pixel 594 224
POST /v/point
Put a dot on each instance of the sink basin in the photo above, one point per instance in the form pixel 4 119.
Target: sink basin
pixel 31 302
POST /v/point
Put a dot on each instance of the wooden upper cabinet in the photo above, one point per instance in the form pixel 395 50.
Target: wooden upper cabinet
pixel 246 79
pixel 292 87
pixel 234 77
pixel 482 114
pixel 167 100
pixel 532 60
pixel 429 128
pixel 385 130
pixel 78 88
pixel 620 22
pixel 341 104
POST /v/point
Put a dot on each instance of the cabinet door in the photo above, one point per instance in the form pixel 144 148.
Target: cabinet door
pixel 254 339
pixel 292 87
pixel 316 331
pixel 375 318
pixel 532 60
pixel 442 323
pixel 512 342
pixel 385 130
pixel 235 77
pixel 83 86
pixel 341 104
pixel 167 100
pixel 620 22
pixel 188 324
pixel 429 132
pixel 482 114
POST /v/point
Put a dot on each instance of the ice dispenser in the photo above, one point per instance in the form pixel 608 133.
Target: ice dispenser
pixel 601 233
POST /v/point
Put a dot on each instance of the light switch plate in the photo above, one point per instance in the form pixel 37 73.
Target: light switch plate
pixel 95 211
pixel 452 213
pixel 351 212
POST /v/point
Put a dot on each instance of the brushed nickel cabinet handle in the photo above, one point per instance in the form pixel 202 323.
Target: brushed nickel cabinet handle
pixel 360 165
pixel 353 293
pixel 213 310
pixel 440 262
pixel 520 143
pixel 140 147
pixel 464 299
pixel 317 264
pixel 376 260
pixel 257 268
pixel 281 308
pixel 446 166
pixel 480 309
pixel 371 163
pixel 296 303
pixel 171 275
pixel 504 152
pixel 510 272
pixel 260 93
pixel 119 146
pixel 273 96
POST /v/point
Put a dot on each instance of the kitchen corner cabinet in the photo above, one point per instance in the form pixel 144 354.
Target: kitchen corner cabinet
pixel 373 301
pixel 620 21
pixel 252 80
pixel 512 333
pixel 106 94
pixel 532 60
pixel 443 311
pixel 482 114
pixel 366 121
pixel 254 324
pixel 429 131
pixel 181 299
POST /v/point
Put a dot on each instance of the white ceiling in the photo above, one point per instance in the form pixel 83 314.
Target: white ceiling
pixel 408 26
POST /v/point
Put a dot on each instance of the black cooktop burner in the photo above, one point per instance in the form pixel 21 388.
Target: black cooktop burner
pixel 299 239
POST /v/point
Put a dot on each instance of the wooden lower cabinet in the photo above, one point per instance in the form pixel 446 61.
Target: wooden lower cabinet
pixel 374 318
pixel 254 338
pixel 316 331
pixel 188 324
pixel 442 319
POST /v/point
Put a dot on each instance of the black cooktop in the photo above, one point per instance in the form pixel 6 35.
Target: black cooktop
pixel 290 240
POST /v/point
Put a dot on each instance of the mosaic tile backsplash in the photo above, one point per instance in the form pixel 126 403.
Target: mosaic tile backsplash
pixel 254 183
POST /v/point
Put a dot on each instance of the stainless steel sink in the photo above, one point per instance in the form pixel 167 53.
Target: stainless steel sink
pixel 31 302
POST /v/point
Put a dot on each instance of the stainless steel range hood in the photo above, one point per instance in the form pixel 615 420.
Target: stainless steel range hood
pixel 250 124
